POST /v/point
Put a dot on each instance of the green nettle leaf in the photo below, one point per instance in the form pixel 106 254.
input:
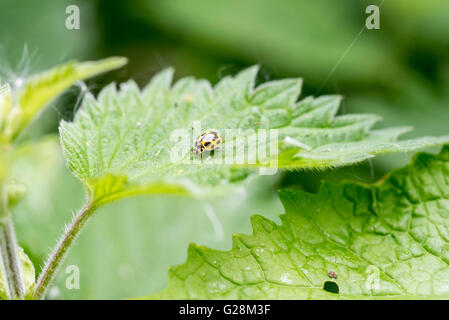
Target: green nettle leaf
pixel 121 143
pixel 387 241
pixel 29 96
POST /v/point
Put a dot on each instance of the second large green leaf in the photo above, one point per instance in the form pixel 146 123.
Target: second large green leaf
pixel 389 240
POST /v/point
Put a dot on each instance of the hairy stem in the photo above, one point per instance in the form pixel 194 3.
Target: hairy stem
pixel 11 267
pixel 57 257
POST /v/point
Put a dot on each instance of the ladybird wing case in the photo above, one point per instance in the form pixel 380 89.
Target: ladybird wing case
pixel 207 141
pixel 198 147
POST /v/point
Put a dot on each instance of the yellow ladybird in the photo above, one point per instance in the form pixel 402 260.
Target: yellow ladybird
pixel 207 141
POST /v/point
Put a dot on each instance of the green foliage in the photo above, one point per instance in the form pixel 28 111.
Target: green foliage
pixel 120 143
pixel 29 96
pixel 386 240
pixel 399 73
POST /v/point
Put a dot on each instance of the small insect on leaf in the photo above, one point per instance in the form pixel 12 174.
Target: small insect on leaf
pixel 207 141
pixel 332 274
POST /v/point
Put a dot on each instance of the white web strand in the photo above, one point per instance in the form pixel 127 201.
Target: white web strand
pixel 334 68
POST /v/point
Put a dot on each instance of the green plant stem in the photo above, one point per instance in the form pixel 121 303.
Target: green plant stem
pixel 10 259
pixel 60 252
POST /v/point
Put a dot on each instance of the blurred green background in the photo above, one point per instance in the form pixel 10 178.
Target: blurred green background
pixel 400 72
